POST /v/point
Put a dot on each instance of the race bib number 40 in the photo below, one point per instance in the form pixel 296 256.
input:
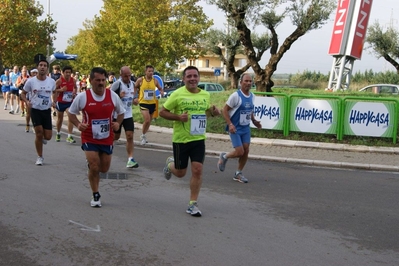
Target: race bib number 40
pixel 41 101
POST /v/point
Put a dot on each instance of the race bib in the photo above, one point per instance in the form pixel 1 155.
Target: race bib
pixel 100 128
pixel 148 94
pixel 198 124
pixel 245 118
pixel 127 102
pixel 67 96
pixel 41 101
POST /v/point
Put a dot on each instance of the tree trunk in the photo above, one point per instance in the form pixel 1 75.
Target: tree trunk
pixel 392 62
pixel 1 65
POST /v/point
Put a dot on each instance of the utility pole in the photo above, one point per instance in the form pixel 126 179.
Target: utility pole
pixel 48 45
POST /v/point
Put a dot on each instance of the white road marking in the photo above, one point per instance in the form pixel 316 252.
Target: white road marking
pixel 86 228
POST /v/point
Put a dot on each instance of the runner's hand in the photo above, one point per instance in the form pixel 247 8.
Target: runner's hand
pixel 82 126
pixel 115 126
pixel 184 117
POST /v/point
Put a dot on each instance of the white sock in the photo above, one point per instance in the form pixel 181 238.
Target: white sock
pixel 69 135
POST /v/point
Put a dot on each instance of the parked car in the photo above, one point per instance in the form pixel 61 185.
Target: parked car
pixel 211 87
pixel 208 86
pixel 166 94
pixel 171 85
pixel 382 89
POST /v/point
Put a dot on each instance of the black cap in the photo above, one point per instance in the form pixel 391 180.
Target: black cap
pixel 40 58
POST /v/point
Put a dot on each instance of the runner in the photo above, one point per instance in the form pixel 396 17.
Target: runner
pixel 5 86
pixel 33 73
pixel 188 107
pixel 97 129
pixel 56 74
pixel 145 89
pixel 66 90
pixel 14 93
pixel 41 88
pixel 124 87
pixel 21 80
pixel 238 113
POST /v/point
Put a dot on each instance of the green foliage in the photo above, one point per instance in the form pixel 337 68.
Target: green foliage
pixel 316 80
pixel 308 79
pixel 141 32
pixel 23 34
pixel 384 43
pixel 85 46
pixel 369 77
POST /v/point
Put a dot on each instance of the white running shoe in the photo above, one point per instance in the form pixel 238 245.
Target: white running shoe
pixel 222 161
pixel 166 171
pixel 39 160
pixel 193 210
pixel 95 201
pixel 143 139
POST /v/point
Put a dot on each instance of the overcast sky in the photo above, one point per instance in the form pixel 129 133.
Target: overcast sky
pixel 308 53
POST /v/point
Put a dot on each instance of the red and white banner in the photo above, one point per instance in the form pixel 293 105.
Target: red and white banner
pixel 358 30
pixel 341 27
pixel 350 27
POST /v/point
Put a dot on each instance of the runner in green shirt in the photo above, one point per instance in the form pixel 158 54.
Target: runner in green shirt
pixel 189 107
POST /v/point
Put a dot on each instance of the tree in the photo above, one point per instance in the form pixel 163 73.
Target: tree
pixel 216 39
pixel 306 15
pixel 384 44
pixel 141 32
pixel 85 46
pixel 22 33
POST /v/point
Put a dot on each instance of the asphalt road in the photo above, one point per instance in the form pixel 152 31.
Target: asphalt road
pixel 287 215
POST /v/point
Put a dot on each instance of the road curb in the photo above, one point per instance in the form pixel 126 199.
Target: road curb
pixel 287 143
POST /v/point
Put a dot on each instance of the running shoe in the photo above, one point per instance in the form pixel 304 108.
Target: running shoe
pixel 193 210
pixel 22 114
pixel 17 110
pixel 5 107
pixel 95 201
pixel 11 112
pixel 44 141
pixel 58 137
pixel 166 171
pixel 27 128
pixel 240 178
pixel 132 164
pixel 143 139
pixel 39 160
pixel 70 140
pixel 222 161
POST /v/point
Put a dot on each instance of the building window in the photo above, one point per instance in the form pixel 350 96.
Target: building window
pixel 207 63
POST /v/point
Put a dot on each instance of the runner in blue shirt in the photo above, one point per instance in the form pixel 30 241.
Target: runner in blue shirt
pixel 5 86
